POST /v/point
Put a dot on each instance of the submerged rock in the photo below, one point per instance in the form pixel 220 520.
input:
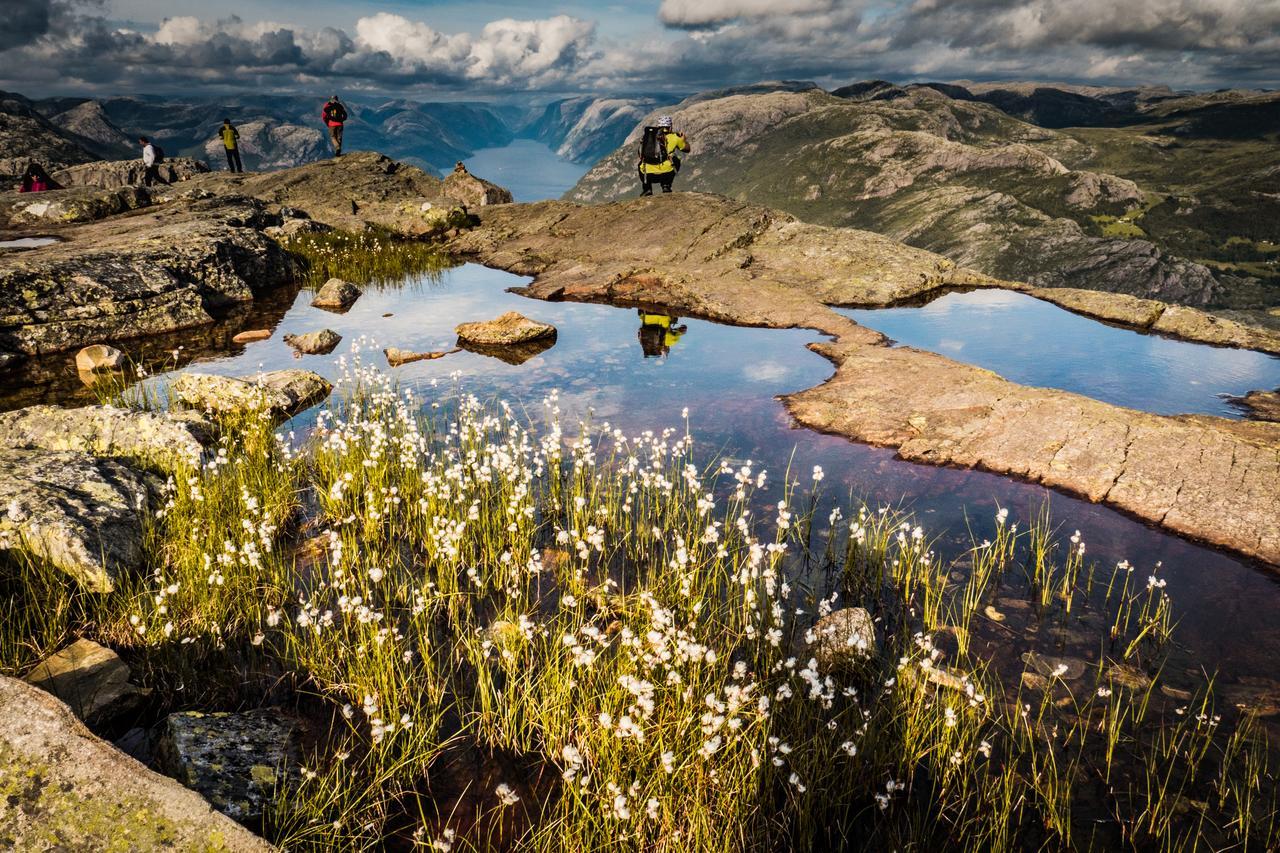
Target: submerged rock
pixel 161 437
pixel 80 513
pixel 336 295
pixel 250 336
pixel 98 357
pixel 396 356
pixel 284 393
pixel 92 680
pixel 67 790
pixel 844 637
pixel 1068 669
pixel 322 342
pixel 1261 405
pixel 510 328
pixel 235 760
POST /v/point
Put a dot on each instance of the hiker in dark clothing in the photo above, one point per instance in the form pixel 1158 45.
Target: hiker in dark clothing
pixel 152 157
pixel 659 156
pixel 334 115
pixel 36 180
pixel 231 141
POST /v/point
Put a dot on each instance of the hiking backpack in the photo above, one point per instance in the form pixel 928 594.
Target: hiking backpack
pixel 334 111
pixel 159 153
pixel 653 147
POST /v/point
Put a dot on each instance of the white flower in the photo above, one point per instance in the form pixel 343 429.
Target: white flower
pixel 508 796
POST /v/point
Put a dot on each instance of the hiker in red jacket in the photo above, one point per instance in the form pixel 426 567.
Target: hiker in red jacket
pixel 334 114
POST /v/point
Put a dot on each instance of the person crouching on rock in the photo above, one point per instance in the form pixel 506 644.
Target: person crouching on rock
pixel 659 156
pixel 37 180
pixel 334 115
pixel 231 142
pixel 152 157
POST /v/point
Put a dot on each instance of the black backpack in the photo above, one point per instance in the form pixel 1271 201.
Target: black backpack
pixel 334 111
pixel 653 147
pixel 159 153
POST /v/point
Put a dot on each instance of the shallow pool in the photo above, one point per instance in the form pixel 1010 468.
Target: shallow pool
pixel 27 242
pixel 1033 342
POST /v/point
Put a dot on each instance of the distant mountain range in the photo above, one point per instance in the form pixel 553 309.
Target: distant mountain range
pixel 283 131
pixel 1140 191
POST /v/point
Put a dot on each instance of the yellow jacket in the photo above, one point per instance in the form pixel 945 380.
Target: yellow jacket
pixel 675 142
pixel 229 136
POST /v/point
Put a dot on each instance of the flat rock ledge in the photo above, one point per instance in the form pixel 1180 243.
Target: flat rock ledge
pixel 160 437
pixel 1207 478
pixel 61 788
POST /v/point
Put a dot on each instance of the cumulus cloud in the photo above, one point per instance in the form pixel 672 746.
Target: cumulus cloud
pixel 705 13
pixel 71 45
pixel 387 50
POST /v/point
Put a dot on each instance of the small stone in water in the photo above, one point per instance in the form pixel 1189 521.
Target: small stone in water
pixel 251 336
pixel 98 357
pixel 397 357
pixel 994 615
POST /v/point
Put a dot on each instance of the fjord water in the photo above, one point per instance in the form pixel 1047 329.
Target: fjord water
pixel 1033 342
pixel 528 168
pixel 728 378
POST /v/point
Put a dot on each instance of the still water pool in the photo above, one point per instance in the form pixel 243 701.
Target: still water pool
pixel 604 364
pixel 1033 342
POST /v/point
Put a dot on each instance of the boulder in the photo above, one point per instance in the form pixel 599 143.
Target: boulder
pixel 465 187
pixel 234 760
pixel 322 342
pixel 511 328
pixel 80 513
pixel 844 638
pixel 99 357
pixel 158 437
pixel 61 788
pixel 284 393
pixel 397 357
pixel 336 295
pixel 113 174
pixel 92 680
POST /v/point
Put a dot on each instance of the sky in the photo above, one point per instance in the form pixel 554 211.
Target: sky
pixel 489 49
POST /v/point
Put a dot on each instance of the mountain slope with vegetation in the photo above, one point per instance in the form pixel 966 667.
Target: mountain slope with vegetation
pixel 1057 208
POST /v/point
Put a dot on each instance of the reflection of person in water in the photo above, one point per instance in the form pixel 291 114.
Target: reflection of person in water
pixel 658 333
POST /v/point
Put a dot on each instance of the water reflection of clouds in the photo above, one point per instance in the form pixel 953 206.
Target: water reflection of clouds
pixel 767 371
pixel 1036 343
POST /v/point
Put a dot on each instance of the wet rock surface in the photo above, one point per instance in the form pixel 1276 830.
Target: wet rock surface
pixel 321 342
pixel 80 513
pixel 61 788
pixel 71 205
pixel 92 680
pixel 1207 478
pixel 234 760
pixel 284 393
pixel 509 329
pixel 396 356
pixel 98 357
pixel 336 295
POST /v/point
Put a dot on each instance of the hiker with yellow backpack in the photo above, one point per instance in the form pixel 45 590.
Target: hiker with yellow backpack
pixel 660 149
